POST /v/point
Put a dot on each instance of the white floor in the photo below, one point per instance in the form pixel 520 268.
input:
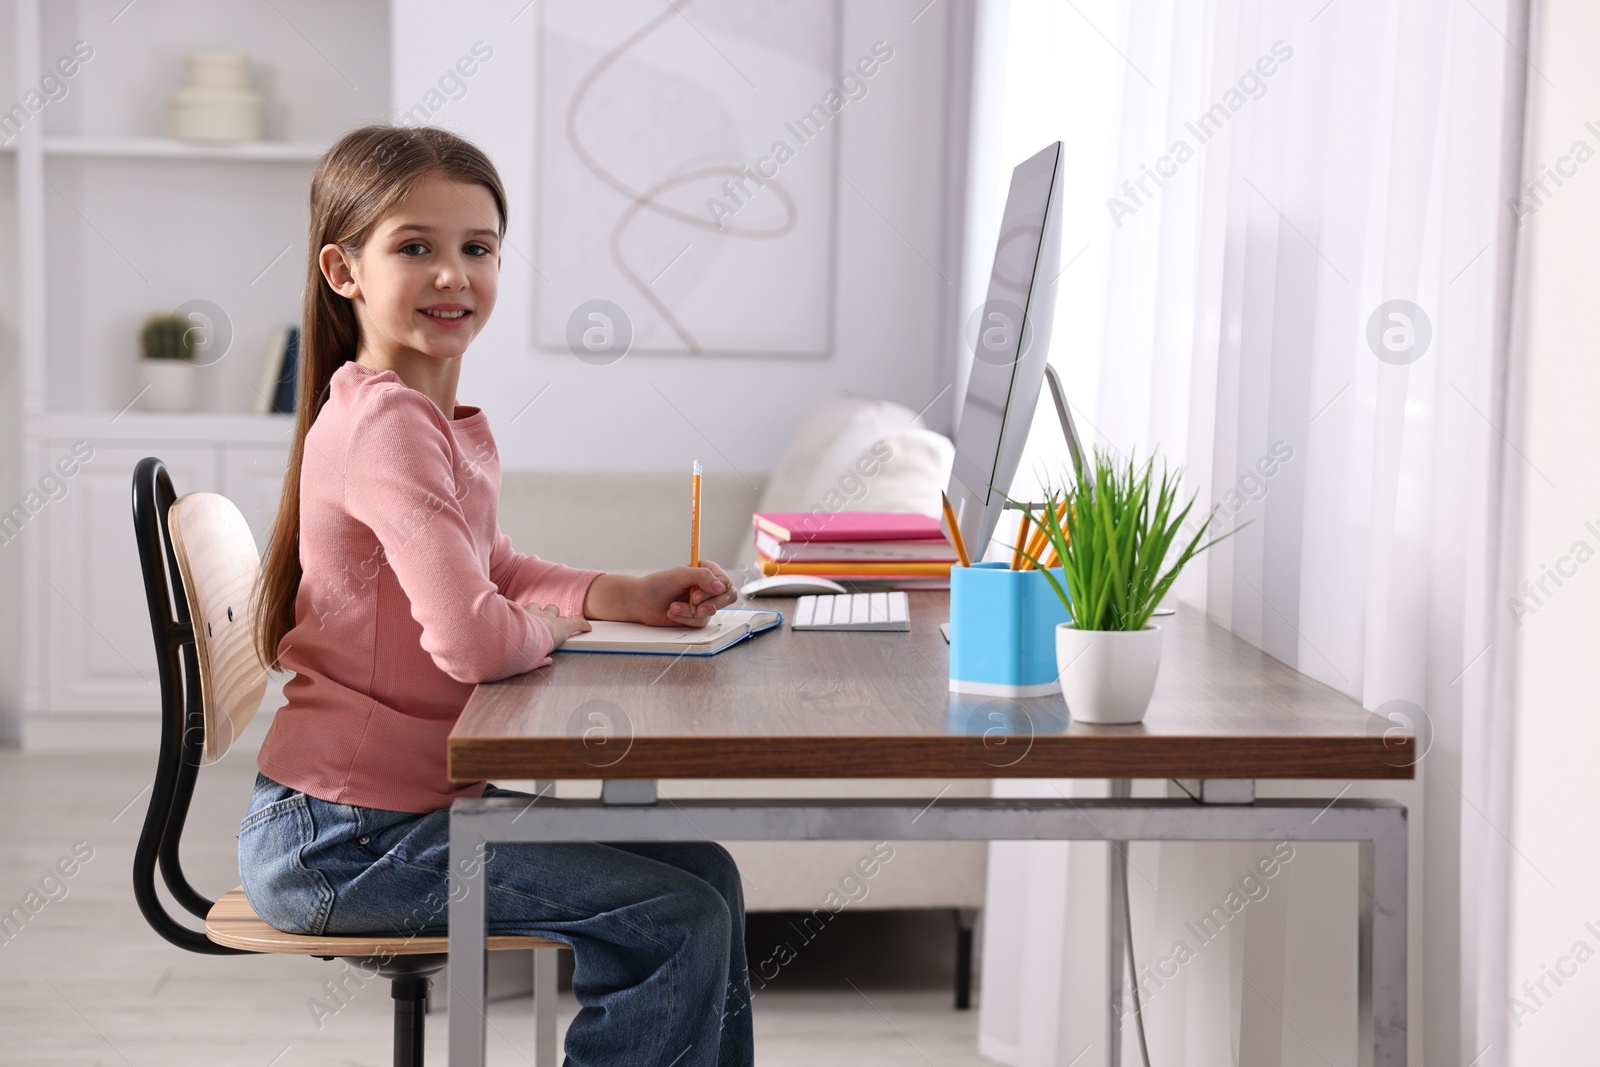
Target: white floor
pixel 87 982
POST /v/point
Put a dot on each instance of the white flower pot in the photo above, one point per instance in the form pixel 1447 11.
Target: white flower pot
pixel 171 384
pixel 1107 676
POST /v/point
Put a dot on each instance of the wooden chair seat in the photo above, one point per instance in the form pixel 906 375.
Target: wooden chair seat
pixel 233 922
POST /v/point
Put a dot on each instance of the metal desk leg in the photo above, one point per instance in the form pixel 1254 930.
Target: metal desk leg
pixel 1116 935
pixel 1381 947
pixel 544 1006
pixel 544 974
pixel 468 932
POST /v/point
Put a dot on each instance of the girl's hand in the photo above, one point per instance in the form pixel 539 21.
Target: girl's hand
pixel 663 598
pixel 561 627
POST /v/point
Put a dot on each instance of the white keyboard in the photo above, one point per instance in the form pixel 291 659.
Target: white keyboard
pixel 853 611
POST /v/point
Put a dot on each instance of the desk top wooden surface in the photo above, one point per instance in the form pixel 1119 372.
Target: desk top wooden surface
pixel 877 705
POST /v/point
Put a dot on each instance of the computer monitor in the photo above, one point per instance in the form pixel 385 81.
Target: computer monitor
pixel 1010 351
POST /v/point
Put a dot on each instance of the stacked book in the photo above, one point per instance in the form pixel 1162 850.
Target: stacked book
pixel 862 549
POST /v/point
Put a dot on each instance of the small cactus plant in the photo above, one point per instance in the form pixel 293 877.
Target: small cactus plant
pixel 166 337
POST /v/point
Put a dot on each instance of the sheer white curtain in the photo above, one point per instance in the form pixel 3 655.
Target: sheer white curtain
pixel 1287 278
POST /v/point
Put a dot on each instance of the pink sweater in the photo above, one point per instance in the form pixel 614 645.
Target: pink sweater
pixel 411 594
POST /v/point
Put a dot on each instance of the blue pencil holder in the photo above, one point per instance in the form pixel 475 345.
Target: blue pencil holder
pixel 1003 630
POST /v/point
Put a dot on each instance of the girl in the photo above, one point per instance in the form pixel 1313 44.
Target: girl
pixel 389 591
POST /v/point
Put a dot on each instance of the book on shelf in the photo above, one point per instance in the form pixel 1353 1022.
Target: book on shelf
pixel 727 627
pixel 848 526
pixel 280 371
pixel 769 547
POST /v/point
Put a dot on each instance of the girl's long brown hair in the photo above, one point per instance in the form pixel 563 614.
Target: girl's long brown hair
pixel 358 182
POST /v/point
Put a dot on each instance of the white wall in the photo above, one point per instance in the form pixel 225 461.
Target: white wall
pixel 736 413
pixel 1555 865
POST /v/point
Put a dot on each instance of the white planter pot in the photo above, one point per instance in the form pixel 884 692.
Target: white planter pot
pixel 1107 676
pixel 171 384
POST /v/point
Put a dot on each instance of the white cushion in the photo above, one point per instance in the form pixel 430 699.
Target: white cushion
pixel 856 454
pixel 837 431
pixel 913 468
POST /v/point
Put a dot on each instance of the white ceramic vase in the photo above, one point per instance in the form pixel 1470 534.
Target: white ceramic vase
pixel 1107 676
pixel 218 105
pixel 170 384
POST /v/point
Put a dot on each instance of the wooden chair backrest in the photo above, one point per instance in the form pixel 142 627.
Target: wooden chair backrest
pixel 218 561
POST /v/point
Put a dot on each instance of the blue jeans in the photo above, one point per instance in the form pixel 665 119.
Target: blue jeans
pixel 657 928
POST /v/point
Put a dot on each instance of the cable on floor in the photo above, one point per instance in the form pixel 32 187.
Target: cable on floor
pixel 1133 966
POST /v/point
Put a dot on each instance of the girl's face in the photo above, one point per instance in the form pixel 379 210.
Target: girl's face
pixel 427 277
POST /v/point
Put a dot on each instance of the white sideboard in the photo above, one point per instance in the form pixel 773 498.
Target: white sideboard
pixel 89 664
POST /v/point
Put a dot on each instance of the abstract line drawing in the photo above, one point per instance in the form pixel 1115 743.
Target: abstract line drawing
pixel 685 172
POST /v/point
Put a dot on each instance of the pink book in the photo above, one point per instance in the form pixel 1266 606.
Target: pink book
pixel 849 526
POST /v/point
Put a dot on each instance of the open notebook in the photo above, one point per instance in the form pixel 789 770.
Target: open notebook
pixel 728 626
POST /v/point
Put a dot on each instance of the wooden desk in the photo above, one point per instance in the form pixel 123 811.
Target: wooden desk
pixel 877 705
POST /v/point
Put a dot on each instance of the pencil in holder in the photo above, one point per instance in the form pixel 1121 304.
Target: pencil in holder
pixel 1003 631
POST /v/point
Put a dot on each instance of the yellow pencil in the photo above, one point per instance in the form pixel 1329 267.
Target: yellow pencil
pixel 694 529
pixel 1022 533
pixel 1035 544
pixel 955 530
pixel 694 519
pixel 1053 558
pixel 1041 537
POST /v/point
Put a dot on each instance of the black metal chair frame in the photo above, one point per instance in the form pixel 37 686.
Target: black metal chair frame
pixel 181 755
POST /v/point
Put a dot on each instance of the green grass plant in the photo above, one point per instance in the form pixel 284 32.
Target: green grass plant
pixel 1119 529
pixel 166 337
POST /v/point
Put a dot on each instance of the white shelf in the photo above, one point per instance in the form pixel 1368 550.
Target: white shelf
pixel 211 427
pixel 166 148
pixel 107 220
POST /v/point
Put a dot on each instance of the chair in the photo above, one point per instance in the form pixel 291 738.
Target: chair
pixel 200 563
